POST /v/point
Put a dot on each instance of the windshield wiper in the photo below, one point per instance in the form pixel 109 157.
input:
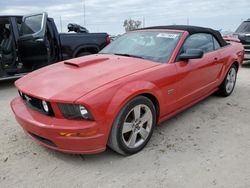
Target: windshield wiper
pixel 129 55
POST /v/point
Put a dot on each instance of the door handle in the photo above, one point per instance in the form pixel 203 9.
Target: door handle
pixel 39 40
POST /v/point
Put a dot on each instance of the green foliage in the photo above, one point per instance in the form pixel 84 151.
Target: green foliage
pixel 130 24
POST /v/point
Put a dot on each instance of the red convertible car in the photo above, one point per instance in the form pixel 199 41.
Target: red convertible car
pixel 117 97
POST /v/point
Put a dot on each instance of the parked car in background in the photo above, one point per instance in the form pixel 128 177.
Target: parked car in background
pixel 118 96
pixel 243 34
pixel 31 42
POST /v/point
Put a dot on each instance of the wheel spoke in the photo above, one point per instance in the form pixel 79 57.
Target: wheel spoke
pixel 144 133
pixel 132 139
pixel 228 87
pixel 137 112
pixel 127 127
pixel 137 126
pixel 231 78
pixel 228 77
pixel 231 87
pixel 146 117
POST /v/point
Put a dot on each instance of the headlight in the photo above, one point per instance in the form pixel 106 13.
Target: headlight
pixel 45 106
pixel 75 111
pixel 84 112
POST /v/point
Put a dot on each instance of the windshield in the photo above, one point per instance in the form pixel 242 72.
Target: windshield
pixel 243 28
pixel 154 46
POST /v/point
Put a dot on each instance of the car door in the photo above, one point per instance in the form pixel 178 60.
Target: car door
pixel 197 77
pixel 33 44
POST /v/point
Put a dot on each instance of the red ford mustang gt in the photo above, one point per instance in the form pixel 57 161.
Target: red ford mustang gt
pixel 115 98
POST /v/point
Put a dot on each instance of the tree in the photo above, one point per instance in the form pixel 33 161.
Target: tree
pixel 130 24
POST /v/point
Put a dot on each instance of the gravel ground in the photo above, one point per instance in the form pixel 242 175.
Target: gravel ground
pixel 207 145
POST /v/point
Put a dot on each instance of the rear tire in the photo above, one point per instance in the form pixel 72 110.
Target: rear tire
pixel 133 126
pixel 227 86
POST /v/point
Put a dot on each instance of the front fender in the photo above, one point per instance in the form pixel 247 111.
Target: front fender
pixel 105 103
pixel 128 92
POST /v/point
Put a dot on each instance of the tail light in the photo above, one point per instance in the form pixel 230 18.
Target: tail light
pixel 108 40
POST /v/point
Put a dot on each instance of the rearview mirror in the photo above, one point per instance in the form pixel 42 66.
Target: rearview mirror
pixel 191 54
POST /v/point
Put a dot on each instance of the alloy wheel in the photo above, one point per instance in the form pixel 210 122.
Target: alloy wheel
pixel 231 78
pixel 137 126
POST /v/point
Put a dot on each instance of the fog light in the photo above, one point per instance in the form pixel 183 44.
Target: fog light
pixel 45 106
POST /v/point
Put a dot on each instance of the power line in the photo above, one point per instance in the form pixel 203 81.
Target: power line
pixel 61 23
pixel 84 14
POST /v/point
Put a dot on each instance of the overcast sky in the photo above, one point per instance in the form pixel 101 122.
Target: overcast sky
pixel 108 15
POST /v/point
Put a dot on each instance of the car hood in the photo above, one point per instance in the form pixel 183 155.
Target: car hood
pixel 68 80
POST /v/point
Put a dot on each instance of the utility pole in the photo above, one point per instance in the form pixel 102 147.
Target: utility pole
pixel 187 20
pixel 61 23
pixel 84 10
pixel 143 21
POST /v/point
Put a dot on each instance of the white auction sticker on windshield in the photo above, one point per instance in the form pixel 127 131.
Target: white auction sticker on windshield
pixel 167 35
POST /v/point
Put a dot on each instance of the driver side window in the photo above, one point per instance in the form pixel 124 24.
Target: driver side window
pixel 201 41
pixel 31 25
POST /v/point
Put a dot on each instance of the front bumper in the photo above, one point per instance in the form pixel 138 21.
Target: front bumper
pixel 47 131
pixel 247 51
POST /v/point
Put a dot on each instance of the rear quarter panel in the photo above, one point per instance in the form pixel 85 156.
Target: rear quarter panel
pixel 234 52
pixel 71 43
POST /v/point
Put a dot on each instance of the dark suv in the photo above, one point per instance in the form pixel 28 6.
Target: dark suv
pixel 243 34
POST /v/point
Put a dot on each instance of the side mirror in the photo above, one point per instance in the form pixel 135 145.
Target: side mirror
pixel 191 54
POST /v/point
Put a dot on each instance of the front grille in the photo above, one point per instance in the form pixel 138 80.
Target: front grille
pixel 43 140
pixel 244 39
pixel 36 104
pixel 247 48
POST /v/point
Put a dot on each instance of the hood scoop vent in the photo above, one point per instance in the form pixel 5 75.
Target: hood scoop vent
pixel 70 63
pixel 78 63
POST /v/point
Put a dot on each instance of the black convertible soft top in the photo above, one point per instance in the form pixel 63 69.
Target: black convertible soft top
pixel 192 30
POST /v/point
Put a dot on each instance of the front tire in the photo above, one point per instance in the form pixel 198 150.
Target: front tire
pixel 133 127
pixel 227 86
